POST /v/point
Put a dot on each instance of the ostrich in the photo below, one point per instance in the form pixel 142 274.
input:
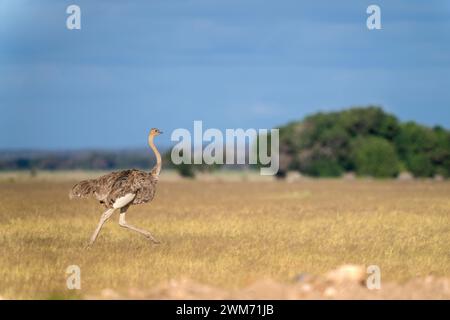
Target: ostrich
pixel 121 189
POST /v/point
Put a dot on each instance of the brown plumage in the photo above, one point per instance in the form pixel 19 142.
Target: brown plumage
pixel 112 186
pixel 121 189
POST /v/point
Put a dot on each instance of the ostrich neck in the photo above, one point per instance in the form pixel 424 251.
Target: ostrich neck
pixel 157 168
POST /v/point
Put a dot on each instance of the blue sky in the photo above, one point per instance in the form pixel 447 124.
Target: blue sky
pixel 231 63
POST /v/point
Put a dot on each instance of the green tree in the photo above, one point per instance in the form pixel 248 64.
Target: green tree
pixel 375 156
pixel 416 145
pixel 369 121
pixel 420 165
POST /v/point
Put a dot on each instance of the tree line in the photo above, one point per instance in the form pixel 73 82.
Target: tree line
pixel 364 140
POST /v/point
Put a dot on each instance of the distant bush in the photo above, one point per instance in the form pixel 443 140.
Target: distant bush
pixel 420 165
pixel 375 156
pixel 324 168
pixel 185 170
pixel 425 151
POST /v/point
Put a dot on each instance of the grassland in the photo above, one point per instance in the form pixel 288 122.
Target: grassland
pixel 224 233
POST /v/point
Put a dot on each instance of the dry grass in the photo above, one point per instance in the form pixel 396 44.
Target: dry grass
pixel 227 234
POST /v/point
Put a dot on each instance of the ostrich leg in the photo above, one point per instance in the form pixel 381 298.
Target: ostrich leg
pixel 124 224
pixel 105 216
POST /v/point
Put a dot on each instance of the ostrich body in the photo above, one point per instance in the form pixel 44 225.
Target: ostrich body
pixel 120 190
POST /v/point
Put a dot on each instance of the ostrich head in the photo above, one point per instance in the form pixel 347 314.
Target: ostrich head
pixel 155 132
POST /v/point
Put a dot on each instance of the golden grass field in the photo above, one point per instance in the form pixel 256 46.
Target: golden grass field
pixel 223 233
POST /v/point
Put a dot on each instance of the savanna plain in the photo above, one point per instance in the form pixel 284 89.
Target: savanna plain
pixel 224 233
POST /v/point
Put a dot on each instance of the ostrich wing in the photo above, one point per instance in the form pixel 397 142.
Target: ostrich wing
pixel 119 184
